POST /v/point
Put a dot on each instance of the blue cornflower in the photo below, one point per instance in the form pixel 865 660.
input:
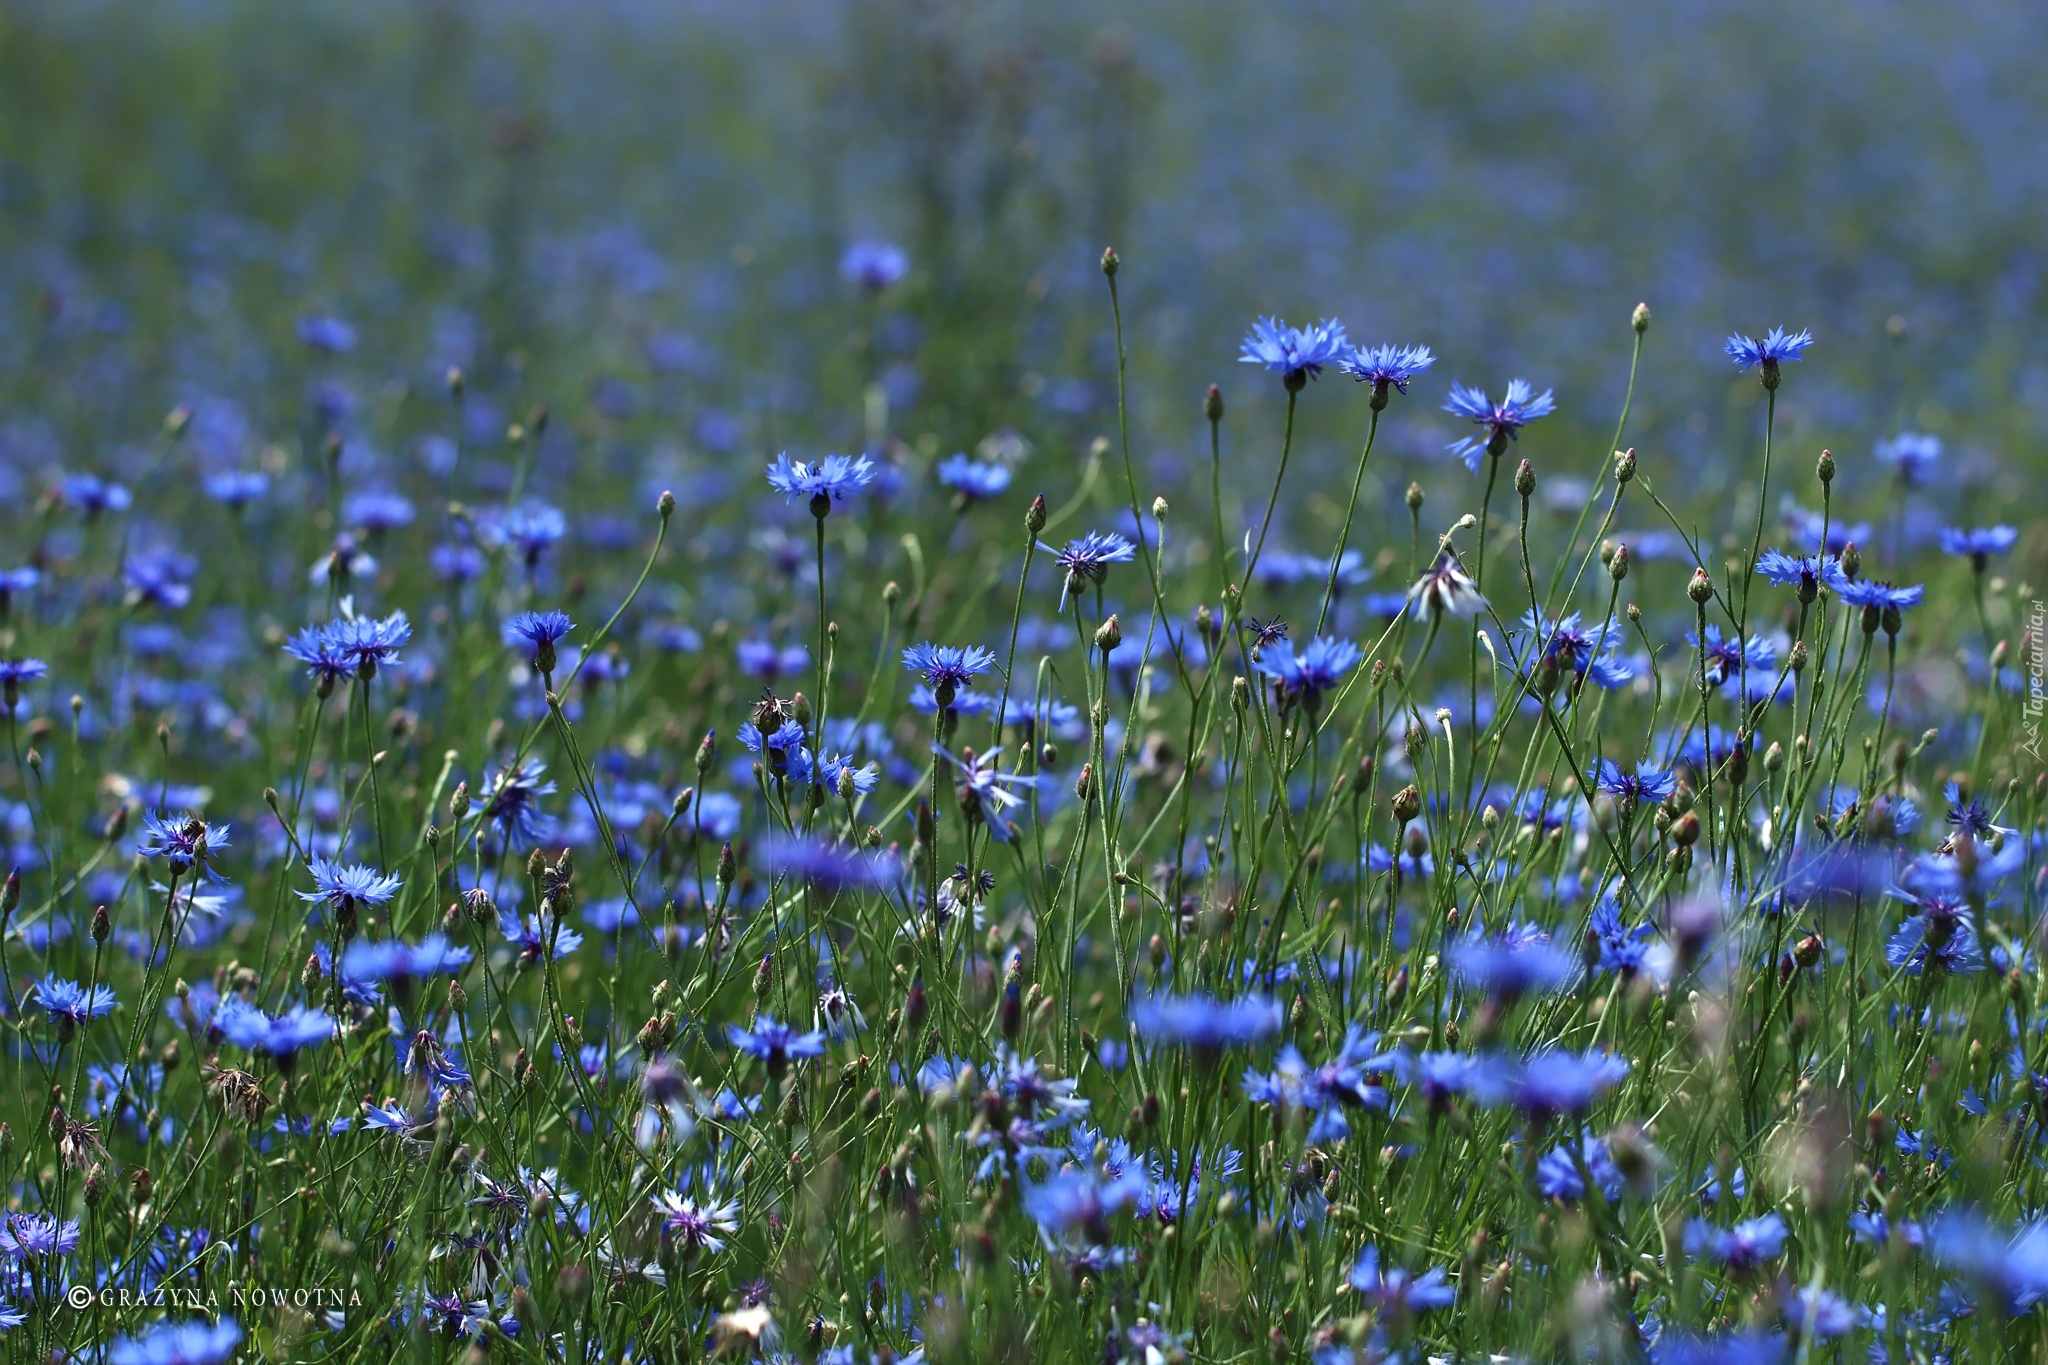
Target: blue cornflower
pixel 530 529
pixel 1768 354
pixel 1559 1082
pixel 327 663
pixel 1568 646
pixel 162 578
pixel 1393 1290
pixel 1830 533
pixel 1558 1175
pixel 1742 1247
pixel 1979 543
pixel 1808 573
pixel 827 865
pixel 828 481
pixel 783 747
pixel 236 488
pixel 1301 679
pixel 1730 1348
pixel 1966 814
pixel 1444 1076
pixel 1296 354
pixel 2012 1267
pixel 1077 1204
pixel 512 802
pixel 15 672
pixel 1913 454
pixel 542 630
pixel 456 562
pixel 377 510
pixel 1821 1314
pixel 368 642
pixel 537 941
pixel 92 495
pixel 1503 421
pixel 766 661
pixel 947 668
pixel 394 960
pixel 282 1037
pixel 1350 1080
pixel 1641 787
pixel 69 1004
pixel 1944 943
pixel 23 1235
pixel 832 770
pixel 343 887
pixel 985 789
pixel 1087 560
pixel 184 841
pixel 16 581
pixel 1512 966
pixel 197 1342
pixel 325 332
pixel 1727 656
pixel 1386 367
pixel 873 265
pixel 775 1043
pixel 1621 948
pixel 1882 603
pixel 1204 1023
pixel 971 479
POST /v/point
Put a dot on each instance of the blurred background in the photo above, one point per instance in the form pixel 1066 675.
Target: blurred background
pixel 636 211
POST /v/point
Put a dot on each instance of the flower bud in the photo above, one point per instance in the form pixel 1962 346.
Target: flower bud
pixel 1109 634
pixel 1640 319
pixel 1825 467
pixel 1415 497
pixel 1617 567
pixel 1407 804
pixel 1110 261
pixel 1852 559
pixel 1701 588
pixel 1525 479
pixel 1624 465
pixel 1035 516
pixel 1212 404
pixel 665 505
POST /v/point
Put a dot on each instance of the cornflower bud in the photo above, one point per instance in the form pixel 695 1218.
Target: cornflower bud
pixel 1212 404
pixel 1825 467
pixel 1617 567
pixel 1525 480
pixel 1109 634
pixel 1701 588
pixel 1407 804
pixel 1624 465
pixel 1110 261
pixel 1034 517
pixel 1640 318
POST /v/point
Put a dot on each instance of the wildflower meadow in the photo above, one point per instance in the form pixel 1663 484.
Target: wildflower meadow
pixel 884 685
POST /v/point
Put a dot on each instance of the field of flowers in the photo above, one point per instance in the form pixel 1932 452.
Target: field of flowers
pixel 653 711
